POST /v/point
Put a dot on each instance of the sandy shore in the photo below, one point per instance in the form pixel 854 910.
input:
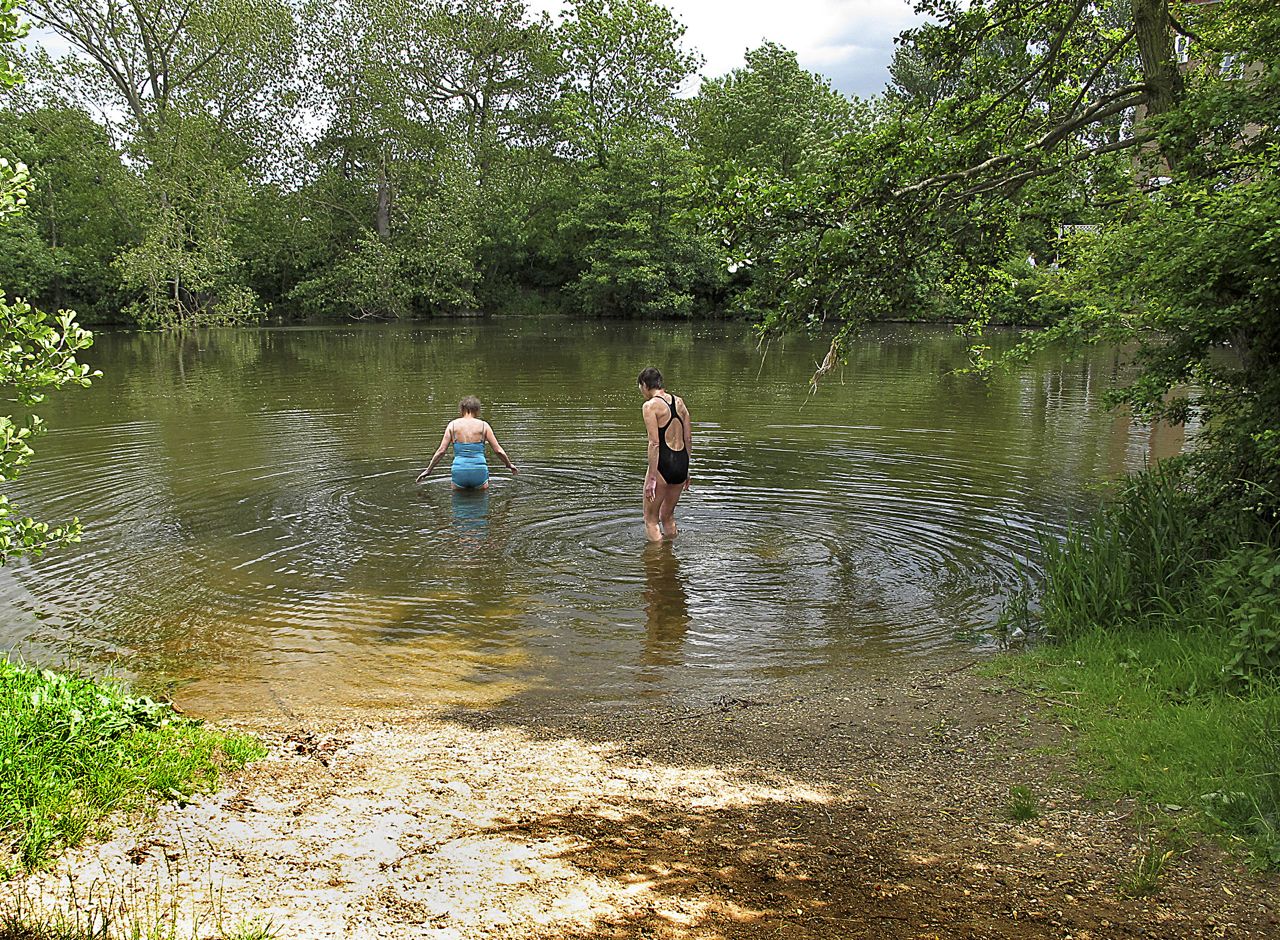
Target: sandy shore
pixel 876 810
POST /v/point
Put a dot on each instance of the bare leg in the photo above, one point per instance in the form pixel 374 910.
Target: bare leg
pixel 652 530
pixel 667 507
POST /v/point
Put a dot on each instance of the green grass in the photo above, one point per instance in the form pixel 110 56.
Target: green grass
pixel 1155 720
pixel 1160 642
pixel 1022 804
pixel 74 751
pixel 151 917
pixel 1147 871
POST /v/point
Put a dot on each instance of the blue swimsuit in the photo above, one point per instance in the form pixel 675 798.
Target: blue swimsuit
pixel 469 467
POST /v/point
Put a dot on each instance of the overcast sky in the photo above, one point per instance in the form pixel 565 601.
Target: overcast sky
pixel 848 41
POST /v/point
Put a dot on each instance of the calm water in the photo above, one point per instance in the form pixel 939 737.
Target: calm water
pixel 254 537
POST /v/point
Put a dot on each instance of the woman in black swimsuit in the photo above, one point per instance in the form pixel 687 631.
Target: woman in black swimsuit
pixel 667 420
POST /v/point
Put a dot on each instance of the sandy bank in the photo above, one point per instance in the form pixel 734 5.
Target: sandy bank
pixel 876 810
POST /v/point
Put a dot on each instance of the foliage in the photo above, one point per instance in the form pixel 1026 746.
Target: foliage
pixel 81 213
pixel 427 268
pixel 766 115
pixel 1155 720
pixel 623 66
pixel 1244 591
pixel 643 253
pixel 1166 634
pixel 1010 121
pixel 198 94
pixel 73 751
pixel 184 268
pixel 37 353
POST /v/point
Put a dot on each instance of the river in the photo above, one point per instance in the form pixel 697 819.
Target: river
pixel 254 539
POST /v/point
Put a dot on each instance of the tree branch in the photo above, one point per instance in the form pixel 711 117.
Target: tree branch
pixel 1103 108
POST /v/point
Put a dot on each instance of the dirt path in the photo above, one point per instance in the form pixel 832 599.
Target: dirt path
pixel 873 811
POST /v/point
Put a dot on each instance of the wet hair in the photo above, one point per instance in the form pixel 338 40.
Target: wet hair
pixel 470 406
pixel 650 378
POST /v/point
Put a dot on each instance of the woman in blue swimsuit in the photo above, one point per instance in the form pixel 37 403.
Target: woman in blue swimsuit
pixel 468 435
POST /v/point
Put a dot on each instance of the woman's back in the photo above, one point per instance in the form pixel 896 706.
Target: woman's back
pixel 468 430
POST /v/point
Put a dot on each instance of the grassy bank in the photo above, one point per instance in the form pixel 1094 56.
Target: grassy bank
pixel 73 751
pixel 1159 635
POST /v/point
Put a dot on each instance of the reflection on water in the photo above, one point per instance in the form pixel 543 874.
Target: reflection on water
pixel 666 606
pixel 471 514
pixel 252 521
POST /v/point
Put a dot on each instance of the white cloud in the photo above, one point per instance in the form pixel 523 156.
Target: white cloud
pixel 848 41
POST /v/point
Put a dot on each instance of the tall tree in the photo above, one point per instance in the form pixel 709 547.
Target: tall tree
pixel 1067 100
pixel 198 91
pixel 393 182
pixel 990 97
pixel 82 212
pixel 639 242
pixel 624 64
pixel 765 115
pixel 626 225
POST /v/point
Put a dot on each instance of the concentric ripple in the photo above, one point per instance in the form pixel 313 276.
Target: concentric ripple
pixel 254 532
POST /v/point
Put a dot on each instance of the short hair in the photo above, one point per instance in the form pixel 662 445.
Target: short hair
pixel 470 406
pixel 650 378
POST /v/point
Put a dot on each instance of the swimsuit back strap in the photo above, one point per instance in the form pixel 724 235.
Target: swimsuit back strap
pixel 675 415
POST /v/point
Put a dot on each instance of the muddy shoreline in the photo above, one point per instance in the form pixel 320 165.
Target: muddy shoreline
pixel 876 810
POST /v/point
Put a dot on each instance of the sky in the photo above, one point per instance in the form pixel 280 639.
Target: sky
pixel 848 41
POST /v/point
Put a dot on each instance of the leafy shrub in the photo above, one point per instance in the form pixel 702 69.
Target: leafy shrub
pixel 1244 592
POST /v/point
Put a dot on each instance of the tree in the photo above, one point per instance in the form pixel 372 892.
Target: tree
pixel 623 66
pixel 764 116
pixel 1185 267
pixel 627 225
pixel 37 353
pixel 81 213
pixel 197 91
pixel 394 187
pixel 1014 109
pixel 643 251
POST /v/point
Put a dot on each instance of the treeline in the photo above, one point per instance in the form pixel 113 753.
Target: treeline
pixel 203 161
pixel 207 161
pixel 1108 167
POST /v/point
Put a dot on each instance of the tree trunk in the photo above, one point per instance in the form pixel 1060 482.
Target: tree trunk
pixel 1155 49
pixel 382 219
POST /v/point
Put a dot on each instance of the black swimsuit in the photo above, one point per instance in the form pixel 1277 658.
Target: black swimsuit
pixel 673 465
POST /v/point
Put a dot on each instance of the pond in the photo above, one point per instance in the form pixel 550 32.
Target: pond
pixel 254 539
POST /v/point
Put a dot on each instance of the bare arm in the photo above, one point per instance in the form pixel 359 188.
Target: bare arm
pixel 497 448
pixel 651 426
pixel 435 458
